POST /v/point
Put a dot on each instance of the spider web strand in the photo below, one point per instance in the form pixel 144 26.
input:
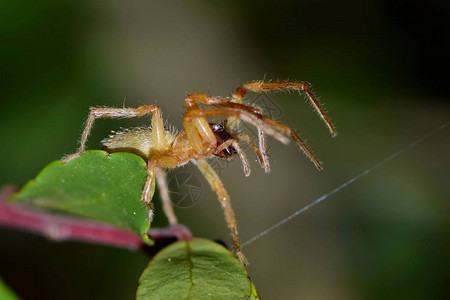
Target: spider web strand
pixel 345 184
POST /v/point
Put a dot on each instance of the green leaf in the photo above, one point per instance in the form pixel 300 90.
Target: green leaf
pixel 97 185
pixel 195 269
pixel 254 295
pixel 6 293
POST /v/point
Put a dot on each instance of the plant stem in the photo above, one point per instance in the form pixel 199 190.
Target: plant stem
pixel 61 228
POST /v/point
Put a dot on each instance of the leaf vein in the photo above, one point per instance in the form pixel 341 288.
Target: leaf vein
pixel 191 266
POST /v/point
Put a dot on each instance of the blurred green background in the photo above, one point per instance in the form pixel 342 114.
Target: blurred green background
pixel 380 68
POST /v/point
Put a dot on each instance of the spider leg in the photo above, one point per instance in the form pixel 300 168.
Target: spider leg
pixel 217 185
pixel 263 123
pixel 243 158
pixel 240 152
pixel 261 155
pixel 161 181
pixel 252 114
pixel 289 131
pixel 192 100
pixel 191 103
pixel 261 87
pixel 262 148
pixel 147 194
pixel 110 112
pixel 158 135
pixel 197 129
pixel 255 120
pixel 203 130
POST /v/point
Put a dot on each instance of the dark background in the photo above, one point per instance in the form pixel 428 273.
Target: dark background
pixel 380 67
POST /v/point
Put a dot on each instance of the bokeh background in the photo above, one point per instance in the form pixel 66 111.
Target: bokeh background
pixel 380 68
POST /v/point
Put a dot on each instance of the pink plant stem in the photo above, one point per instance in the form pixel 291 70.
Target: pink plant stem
pixel 60 228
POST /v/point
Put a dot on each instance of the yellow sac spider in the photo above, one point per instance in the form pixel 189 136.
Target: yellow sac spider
pixel 163 148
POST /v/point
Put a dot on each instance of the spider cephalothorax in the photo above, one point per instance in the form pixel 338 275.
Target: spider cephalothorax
pixel 163 148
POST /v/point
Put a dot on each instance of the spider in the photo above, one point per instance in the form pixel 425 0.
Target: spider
pixel 164 148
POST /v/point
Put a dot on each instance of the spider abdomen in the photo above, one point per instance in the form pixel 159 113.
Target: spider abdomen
pixel 136 140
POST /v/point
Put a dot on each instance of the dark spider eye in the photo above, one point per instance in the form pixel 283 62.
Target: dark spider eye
pixel 216 127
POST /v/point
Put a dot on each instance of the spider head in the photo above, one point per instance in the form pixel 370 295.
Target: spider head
pixel 222 135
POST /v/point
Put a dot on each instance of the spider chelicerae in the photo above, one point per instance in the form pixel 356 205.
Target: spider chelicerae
pixel 164 148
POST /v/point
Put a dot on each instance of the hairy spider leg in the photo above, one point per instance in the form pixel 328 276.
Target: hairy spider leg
pixel 243 157
pixel 289 131
pixel 248 140
pixel 124 113
pixel 241 153
pixel 263 123
pixel 232 125
pixel 217 185
pixel 149 187
pixel 192 99
pixel 261 87
pixel 198 130
pixel 158 135
pixel 262 149
pixel 163 187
